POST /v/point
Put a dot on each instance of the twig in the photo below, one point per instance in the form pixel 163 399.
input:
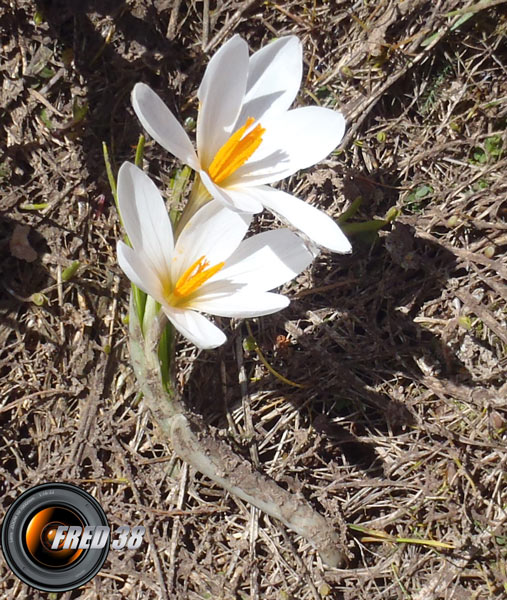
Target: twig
pixel 230 24
pixel 205 23
pixel 173 20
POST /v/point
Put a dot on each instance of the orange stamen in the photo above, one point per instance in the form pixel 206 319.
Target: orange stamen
pixel 194 277
pixel 236 151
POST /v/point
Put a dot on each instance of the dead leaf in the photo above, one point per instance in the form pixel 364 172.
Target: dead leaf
pixel 19 244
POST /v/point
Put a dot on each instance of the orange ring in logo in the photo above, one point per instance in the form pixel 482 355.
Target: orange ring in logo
pixel 40 534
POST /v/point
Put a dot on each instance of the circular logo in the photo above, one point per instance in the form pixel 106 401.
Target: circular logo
pixel 55 537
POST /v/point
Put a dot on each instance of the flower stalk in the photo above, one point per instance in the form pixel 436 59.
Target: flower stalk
pixel 199 447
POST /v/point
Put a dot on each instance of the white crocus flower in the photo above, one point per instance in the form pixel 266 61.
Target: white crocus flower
pixel 247 137
pixel 208 267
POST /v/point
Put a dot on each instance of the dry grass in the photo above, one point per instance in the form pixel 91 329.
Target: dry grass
pixel 402 427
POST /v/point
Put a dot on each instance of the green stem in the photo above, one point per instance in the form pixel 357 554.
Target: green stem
pixel 163 400
pixel 138 160
pixel 374 225
pixel 110 177
pixel 351 210
pixel 166 352
pixel 138 295
pixel 180 181
pixel 199 196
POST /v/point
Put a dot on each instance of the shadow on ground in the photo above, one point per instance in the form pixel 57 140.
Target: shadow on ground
pixel 357 354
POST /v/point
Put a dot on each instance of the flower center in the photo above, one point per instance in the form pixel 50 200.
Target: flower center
pixel 236 151
pixel 192 279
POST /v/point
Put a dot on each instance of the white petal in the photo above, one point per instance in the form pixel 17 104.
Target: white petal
pixel 139 271
pixel 145 216
pixel 221 93
pixel 241 200
pixel 243 305
pixel 265 261
pixel 293 140
pixel 162 125
pixel 195 327
pixel 214 232
pixel 313 222
pixel 274 77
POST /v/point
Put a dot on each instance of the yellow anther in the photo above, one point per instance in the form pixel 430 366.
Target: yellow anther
pixel 236 151
pixel 192 279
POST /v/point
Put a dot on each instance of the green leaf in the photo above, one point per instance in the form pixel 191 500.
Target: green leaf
pixel 38 299
pixel 46 73
pixel 493 145
pixel 139 300
pixel 110 176
pixel 45 119
pixel 249 344
pixel 479 156
pixel 462 20
pixel 39 206
pixel 392 214
pixel 70 271
pixel 38 18
pixel 465 322
pixel 166 354
pixel 423 190
pixel 189 124
pixel 79 110
pixel 430 39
